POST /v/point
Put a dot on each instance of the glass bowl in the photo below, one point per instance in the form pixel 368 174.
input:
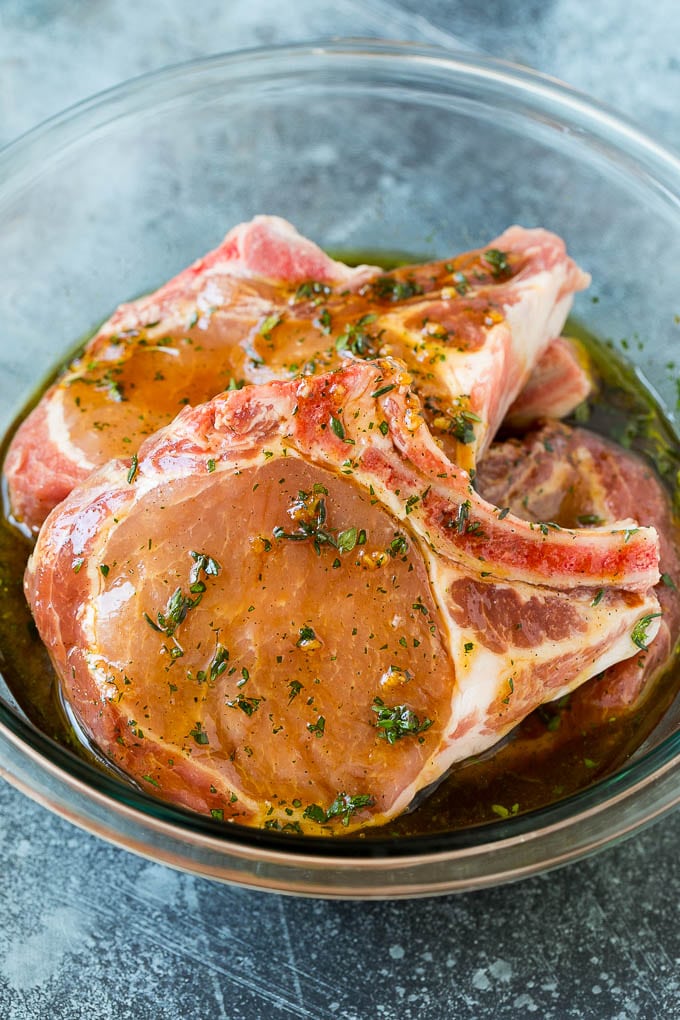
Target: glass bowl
pixel 363 146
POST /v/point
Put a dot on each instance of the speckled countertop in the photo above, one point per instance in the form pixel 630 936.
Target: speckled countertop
pixel 90 931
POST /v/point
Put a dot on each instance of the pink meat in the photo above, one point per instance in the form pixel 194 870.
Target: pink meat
pixel 268 303
pixel 295 569
pixel 557 385
pixel 576 478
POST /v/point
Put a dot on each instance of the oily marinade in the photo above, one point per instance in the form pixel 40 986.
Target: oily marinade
pixel 540 762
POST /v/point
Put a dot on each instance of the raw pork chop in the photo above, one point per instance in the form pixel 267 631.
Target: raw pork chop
pixel 269 304
pixel 296 569
pixel 579 479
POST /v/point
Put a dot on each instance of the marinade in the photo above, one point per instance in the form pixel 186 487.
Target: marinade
pixel 543 760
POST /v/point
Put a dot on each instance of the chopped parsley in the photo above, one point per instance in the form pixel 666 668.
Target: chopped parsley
pixel 312 289
pixel 324 322
pixel 398 546
pixel 462 517
pixel 309 512
pixel 219 662
pixel 498 260
pixel 388 288
pixel 639 633
pixel 199 734
pixel 347 539
pixel 308 639
pixel 268 325
pixel 459 424
pixel 179 604
pixel 295 688
pixel 397 721
pixel 133 469
pixel 344 806
pixel 586 519
pixel 318 727
pixel 357 341
pixel 382 391
pixel 247 705
pixel 337 427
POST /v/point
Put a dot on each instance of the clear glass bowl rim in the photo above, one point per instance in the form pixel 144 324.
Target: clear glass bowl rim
pixel 470 858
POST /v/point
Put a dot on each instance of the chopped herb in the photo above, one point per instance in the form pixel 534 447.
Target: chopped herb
pixel 586 519
pixel 268 325
pixel 112 388
pixel 318 727
pixel 344 806
pixel 356 340
pixel 247 705
pixel 104 569
pixel 310 289
pixel 498 260
pixel 337 427
pixel 308 639
pixel 133 469
pixel 398 546
pixel 504 513
pixel 455 421
pixel 462 517
pixel 384 427
pixel 388 288
pixel 295 688
pixel 511 685
pixel 219 662
pixel 211 465
pixel 461 284
pixel 397 721
pixel 205 563
pixel 199 734
pixel 217 814
pixel 315 814
pixel 598 597
pixel 504 812
pixel 324 322
pixel 346 540
pixel 309 513
pixel 177 607
pixel 382 391
pixel 639 633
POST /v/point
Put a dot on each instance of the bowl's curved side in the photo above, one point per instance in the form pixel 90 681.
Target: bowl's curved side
pixel 322 872
pixel 351 140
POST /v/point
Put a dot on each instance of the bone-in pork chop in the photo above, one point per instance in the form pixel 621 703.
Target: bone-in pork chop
pixel 579 479
pixel 296 569
pixel 270 304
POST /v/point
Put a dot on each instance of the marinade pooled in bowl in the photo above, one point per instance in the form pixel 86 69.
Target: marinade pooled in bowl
pixel 548 755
